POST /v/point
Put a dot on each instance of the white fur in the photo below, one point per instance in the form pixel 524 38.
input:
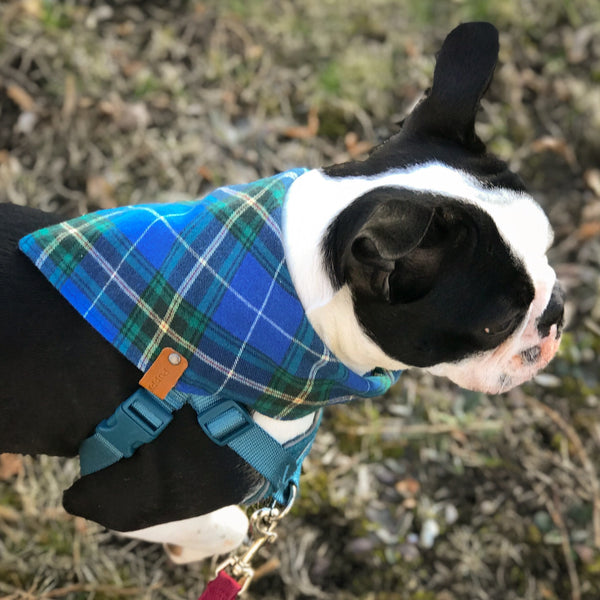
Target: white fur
pixel 338 327
pixel 284 431
pixel 193 539
pixel 315 199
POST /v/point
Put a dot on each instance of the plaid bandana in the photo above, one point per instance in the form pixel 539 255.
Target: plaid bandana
pixel 207 278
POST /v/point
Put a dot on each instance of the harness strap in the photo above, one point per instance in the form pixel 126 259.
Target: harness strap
pixel 143 416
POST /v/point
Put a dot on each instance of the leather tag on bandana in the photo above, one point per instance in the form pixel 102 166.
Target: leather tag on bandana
pixel 164 373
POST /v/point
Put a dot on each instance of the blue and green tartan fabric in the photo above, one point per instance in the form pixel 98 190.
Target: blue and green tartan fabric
pixel 208 278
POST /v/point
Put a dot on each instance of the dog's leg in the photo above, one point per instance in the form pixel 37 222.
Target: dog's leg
pixel 181 474
pixel 223 530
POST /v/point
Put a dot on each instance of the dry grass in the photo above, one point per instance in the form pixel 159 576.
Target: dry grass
pixel 109 103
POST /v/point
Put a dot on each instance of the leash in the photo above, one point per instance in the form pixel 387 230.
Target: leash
pixel 262 525
pixel 223 587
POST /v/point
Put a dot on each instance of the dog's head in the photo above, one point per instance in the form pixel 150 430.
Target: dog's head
pixel 431 243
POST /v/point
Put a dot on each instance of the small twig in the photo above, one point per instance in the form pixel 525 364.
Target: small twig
pixel 554 512
pixel 109 590
pixel 400 429
pixel 575 440
pixel 266 568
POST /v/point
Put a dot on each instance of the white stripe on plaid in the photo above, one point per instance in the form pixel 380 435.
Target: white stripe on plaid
pixel 202 263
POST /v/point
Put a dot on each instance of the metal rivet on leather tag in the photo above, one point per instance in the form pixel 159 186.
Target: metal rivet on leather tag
pixel 174 358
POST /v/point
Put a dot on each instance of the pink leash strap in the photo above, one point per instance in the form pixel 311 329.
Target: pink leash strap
pixel 222 587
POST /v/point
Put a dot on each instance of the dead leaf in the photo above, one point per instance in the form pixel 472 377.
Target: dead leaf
pixel 127 116
pixel 81 525
pixel 126 28
pixel 304 132
pixel 20 97
pixel 11 465
pixel 132 67
pixel 70 97
pixel 592 180
pixel 100 191
pixel 408 487
pixel 268 567
pixel 409 503
pixel 254 51
pixel 206 173
pixel 588 230
pixel 559 146
pixel 33 8
pixel 85 102
pixel 459 436
pixel 108 107
pixel 355 147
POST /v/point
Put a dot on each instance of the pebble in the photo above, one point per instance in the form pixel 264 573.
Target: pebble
pixel 26 122
pixel 429 532
pixel 360 546
pixel 547 380
pixel 409 552
pixel 450 514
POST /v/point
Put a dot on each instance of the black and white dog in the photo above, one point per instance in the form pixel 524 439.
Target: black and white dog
pixel 430 254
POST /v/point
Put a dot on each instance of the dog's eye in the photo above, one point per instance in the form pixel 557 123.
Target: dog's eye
pixel 503 328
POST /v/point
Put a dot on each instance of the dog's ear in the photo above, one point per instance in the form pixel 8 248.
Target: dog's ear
pixel 397 252
pixel 464 69
pixel 392 231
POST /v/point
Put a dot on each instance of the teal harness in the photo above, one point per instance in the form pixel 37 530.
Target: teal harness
pixel 143 417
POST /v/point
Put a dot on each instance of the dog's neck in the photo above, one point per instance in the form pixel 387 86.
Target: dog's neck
pixel 306 216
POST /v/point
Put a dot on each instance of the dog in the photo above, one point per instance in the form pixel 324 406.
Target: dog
pixel 429 253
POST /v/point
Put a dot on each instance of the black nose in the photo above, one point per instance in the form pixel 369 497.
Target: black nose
pixel 554 312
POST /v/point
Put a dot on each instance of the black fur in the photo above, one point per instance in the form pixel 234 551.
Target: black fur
pixel 554 313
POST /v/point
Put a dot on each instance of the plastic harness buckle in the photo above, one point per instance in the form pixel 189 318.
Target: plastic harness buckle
pixel 225 422
pixel 137 421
